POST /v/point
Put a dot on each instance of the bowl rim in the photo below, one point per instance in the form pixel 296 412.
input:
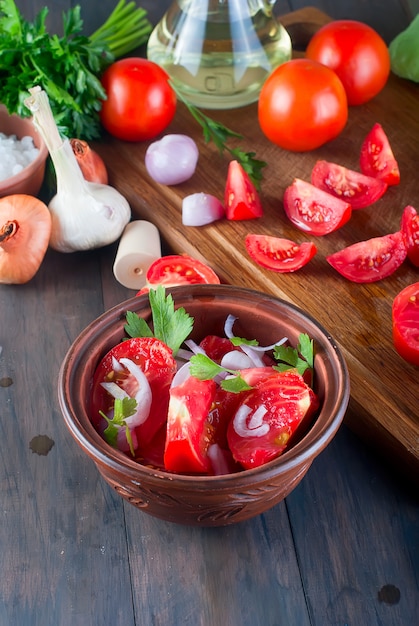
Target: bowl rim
pixel 303 451
pixel 33 166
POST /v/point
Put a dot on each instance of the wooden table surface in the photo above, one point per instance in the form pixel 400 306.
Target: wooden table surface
pixel 342 549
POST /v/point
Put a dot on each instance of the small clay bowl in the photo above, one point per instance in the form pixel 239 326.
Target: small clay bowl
pixel 207 500
pixel 30 179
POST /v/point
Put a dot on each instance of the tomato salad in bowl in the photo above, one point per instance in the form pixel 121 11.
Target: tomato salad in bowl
pixel 205 406
pixel 212 407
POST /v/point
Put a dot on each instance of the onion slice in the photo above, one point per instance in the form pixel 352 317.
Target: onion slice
pixel 256 427
pixel 143 395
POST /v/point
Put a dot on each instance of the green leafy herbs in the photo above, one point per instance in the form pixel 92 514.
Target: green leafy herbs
pixel 220 135
pixel 67 67
pixel 300 358
pixel 204 368
pixel 169 325
pixel 122 409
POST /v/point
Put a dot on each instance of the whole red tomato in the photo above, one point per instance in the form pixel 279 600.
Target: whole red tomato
pixel 302 105
pixel 357 54
pixel 140 102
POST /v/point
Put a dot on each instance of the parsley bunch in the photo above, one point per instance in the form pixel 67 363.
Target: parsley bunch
pixel 68 67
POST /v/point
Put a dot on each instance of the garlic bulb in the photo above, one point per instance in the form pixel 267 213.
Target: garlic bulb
pixel 84 215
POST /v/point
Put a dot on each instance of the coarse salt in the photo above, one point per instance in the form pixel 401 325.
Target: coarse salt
pixel 15 154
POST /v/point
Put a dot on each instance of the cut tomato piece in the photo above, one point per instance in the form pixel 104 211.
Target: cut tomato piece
pixel 377 158
pixel 278 254
pixel 241 199
pixel 314 211
pixel 189 431
pixel 353 187
pixel 179 269
pixel 410 230
pixel 156 361
pixel 371 260
pixel 405 315
pixel 216 347
pixel 265 422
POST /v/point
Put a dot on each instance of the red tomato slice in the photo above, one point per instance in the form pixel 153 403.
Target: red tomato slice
pixel 410 230
pixel 357 189
pixel 156 361
pixel 314 211
pixel 278 254
pixel 179 269
pixel 216 347
pixel 371 260
pixel 405 314
pixel 377 158
pixel 267 419
pixel 189 431
pixel 241 199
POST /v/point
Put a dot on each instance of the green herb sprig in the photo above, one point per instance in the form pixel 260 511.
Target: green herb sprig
pixel 204 368
pixel 300 358
pixel 123 408
pixel 67 67
pixel 220 135
pixel 169 325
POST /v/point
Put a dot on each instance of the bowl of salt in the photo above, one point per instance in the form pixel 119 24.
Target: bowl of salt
pixel 23 155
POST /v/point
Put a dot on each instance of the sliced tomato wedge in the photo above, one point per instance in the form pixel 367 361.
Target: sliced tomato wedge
pixel 353 187
pixel 189 431
pixel 410 230
pixel 377 158
pixel 156 361
pixel 278 254
pixel 179 269
pixel 216 347
pixel 370 260
pixel 314 211
pixel 268 418
pixel 241 200
pixel 405 315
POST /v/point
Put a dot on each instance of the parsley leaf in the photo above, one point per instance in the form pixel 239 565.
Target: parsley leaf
pixel 169 325
pixel 204 368
pixel 68 68
pixel 123 408
pixel 136 326
pixel 300 358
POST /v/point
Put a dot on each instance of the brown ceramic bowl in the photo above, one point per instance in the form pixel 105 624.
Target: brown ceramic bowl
pixel 29 180
pixel 207 500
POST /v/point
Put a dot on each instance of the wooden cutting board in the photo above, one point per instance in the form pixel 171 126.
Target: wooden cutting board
pixel 384 406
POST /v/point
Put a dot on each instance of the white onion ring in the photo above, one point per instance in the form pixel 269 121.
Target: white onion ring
pixel 115 390
pixel 236 360
pixel 143 395
pixel 181 375
pixel 241 426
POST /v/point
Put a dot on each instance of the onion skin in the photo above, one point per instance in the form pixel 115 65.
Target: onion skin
pixel 172 159
pixel 25 228
pixel 90 162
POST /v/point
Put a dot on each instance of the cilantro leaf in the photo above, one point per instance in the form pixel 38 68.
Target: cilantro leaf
pixel 123 408
pixel 239 341
pixel 169 325
pixel 136 326
pixel 204 368
pixel 300 358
